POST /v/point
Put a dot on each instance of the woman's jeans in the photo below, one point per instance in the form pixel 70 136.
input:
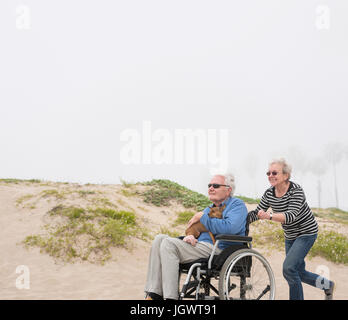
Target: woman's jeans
pixel 294 267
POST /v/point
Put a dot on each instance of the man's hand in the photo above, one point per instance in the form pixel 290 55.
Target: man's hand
pixel 191 240
pixel 195 219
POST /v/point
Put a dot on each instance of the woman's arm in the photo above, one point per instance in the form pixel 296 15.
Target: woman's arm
pixel 278 217
pixel 291 214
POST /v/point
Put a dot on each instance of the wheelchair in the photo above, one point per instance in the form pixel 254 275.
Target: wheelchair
pixel 237 273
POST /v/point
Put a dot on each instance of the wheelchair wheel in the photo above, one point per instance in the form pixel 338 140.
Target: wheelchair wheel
pixel 246 275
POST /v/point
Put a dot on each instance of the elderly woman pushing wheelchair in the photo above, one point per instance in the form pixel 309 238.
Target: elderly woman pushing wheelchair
pixel 290 208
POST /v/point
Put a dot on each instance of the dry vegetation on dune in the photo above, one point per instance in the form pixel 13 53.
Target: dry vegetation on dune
pixel 84 222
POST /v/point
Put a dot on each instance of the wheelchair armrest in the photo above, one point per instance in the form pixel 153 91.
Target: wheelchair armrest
pixel 233 238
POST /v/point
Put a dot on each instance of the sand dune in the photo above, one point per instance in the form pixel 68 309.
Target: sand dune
pixel 122 277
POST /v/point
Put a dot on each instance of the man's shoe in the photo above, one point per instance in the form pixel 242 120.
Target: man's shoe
pixel 153 296
pixel 329 292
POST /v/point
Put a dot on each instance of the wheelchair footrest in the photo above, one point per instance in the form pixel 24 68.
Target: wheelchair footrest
pixel 211 298
pixel 190 285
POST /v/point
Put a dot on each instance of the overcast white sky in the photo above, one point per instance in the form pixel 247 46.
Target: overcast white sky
pixel 77 75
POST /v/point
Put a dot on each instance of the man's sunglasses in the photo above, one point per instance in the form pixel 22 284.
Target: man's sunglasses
pixel 216 185
pixel 273 173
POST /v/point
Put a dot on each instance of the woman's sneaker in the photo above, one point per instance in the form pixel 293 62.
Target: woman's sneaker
pixel 329 292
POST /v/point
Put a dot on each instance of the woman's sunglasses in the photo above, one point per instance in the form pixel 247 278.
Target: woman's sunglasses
pixel 216 185
pixel 273 173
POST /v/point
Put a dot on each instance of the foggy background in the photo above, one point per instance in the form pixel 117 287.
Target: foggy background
pixel 74 75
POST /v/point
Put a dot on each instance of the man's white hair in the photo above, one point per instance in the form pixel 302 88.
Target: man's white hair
pixel 229 180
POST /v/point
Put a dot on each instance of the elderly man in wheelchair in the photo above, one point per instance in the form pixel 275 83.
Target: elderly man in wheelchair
pixel 219 264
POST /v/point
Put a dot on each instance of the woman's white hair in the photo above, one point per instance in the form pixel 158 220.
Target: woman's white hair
pixel 286 168
pixel 229 180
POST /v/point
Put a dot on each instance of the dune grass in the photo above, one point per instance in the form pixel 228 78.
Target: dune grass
pixel 267 234
pixel 170 232
pixel 183 217
pixel 162 192
pixel 333 214
pixel 16 181
pixel 331 245
pixel 86 234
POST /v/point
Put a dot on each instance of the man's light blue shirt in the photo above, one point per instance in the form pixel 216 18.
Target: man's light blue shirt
pixel 233 221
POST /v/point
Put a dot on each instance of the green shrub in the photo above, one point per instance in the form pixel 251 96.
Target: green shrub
pixel 169 232
pixel 84 193
pixel 116 231
pixel 333 214
pixel 126 216
pixel 16 181
pixel 332 246
pixel 53 193
pixel 69 212
pixel 163 191
pixel 104 212
pixel 268 234
pixel 85 231
pixel 184 217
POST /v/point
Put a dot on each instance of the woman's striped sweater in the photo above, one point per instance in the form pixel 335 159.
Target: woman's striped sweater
pixel 299 219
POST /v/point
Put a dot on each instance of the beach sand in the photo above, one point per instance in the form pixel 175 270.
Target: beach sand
pixel 123 277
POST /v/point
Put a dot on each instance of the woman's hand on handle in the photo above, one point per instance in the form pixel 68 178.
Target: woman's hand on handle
pixel 263 215
pixel 277 217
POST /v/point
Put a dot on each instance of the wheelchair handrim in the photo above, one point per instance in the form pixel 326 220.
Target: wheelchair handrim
pixel 264 262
